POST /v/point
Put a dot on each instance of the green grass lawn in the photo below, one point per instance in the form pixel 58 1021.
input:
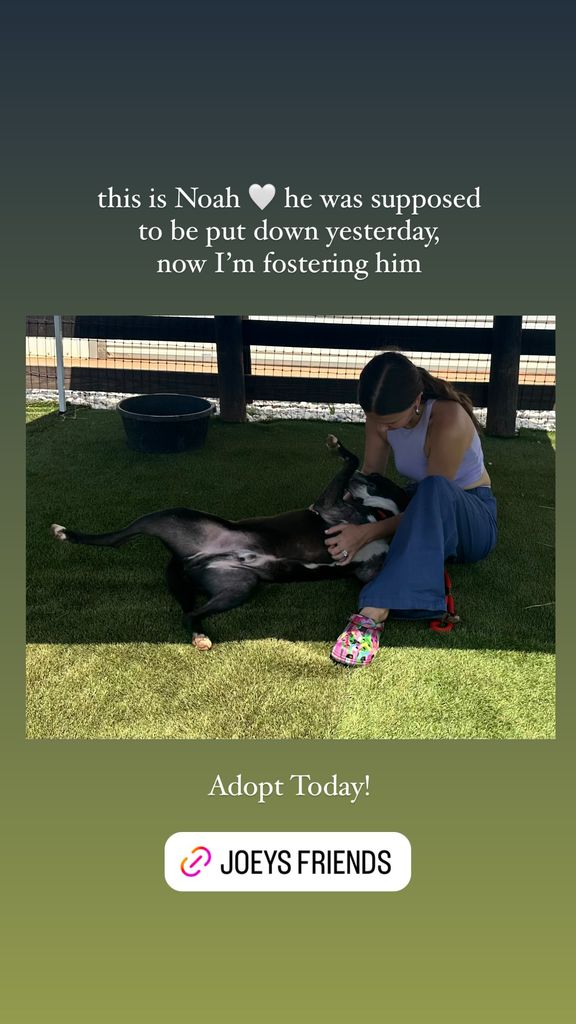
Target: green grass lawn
pixel 109 658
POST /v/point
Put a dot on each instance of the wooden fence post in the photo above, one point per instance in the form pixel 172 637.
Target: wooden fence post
pixel 230 356
pixel 247 350
pixel 504 374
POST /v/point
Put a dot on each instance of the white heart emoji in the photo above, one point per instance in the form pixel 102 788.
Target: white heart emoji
pixel 262 194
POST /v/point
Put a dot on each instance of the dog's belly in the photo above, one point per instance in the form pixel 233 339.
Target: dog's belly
pixel 270 568
pixel 262 564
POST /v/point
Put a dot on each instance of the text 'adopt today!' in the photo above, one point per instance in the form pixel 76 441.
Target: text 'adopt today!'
pixel 205 236
pixel 297 784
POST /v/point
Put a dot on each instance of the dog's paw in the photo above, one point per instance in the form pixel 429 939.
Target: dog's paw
pixel 201 642
pixel 332 442
pixel 59 532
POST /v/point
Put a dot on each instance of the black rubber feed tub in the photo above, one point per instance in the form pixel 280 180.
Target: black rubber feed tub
pixel 160 424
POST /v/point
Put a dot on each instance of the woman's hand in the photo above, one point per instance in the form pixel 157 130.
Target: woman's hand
pixel 344 541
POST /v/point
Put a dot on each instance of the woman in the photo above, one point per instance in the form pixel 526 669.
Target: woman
pixel 431 430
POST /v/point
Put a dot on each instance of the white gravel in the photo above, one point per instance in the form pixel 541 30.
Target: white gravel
pixel 259 412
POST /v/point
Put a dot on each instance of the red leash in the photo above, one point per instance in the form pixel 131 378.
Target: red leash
pixel 448 621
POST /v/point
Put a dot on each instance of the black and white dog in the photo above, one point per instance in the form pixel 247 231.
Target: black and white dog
pixel 226 559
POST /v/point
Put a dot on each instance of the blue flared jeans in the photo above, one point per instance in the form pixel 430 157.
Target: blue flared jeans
pixel 442 522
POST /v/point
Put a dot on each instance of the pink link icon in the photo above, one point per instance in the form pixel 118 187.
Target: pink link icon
pixel 201 860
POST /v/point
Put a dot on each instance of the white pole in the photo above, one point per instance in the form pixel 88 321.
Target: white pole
pixel 59 364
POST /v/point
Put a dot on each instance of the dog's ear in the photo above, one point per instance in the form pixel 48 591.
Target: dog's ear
pixel 383 486
pixel 375 482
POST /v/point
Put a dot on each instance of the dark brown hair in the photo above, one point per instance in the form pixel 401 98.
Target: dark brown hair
pixel 390 382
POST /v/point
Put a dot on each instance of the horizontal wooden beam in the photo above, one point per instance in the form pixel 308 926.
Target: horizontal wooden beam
pixel 134 382
pixel 376 337
pixel 372 337
pixel 307 389
pixel 280 389
pixel 127 328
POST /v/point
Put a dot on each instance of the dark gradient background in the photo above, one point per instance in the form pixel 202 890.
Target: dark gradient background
pixel 331 97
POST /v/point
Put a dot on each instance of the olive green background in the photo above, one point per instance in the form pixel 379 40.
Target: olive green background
pixel 332 99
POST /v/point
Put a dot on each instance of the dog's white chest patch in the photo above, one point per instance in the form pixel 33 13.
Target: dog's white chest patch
pixel 373 549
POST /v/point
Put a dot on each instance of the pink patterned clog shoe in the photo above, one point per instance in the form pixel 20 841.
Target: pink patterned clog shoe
pixel 359 642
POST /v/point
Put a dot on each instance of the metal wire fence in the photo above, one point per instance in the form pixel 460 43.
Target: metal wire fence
pixel 287 356
pixel 450 364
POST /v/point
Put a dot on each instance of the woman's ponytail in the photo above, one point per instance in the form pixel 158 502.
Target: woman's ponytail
pixel 437 387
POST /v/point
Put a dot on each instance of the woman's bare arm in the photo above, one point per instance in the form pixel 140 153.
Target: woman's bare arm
pixel 449 436
pixel 376 449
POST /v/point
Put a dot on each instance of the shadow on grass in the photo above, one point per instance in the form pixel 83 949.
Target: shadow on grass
pixel 81 473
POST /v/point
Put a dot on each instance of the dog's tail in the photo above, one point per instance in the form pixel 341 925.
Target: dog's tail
pixel 101 539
